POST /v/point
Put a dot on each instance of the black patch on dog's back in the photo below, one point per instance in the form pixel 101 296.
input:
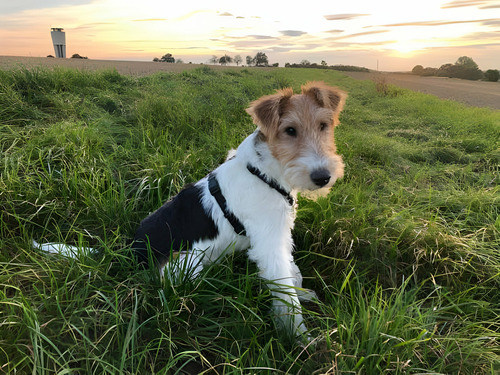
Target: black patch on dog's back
pixel 175 226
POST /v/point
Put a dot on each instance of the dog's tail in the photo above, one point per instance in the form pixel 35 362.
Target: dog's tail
pixel 63 249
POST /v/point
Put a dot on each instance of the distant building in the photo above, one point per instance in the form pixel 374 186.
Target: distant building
pixel 59 41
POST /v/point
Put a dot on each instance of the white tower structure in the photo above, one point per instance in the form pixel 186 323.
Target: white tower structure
pixel 59 41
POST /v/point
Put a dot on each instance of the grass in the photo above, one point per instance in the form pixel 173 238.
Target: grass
pixel 404 252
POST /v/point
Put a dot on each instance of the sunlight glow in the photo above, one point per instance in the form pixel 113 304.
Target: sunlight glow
pixel 195 30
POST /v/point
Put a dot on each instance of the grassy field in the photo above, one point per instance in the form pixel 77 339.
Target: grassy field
pixel 404 252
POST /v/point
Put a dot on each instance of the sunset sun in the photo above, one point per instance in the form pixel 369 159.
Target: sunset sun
pixel 407 47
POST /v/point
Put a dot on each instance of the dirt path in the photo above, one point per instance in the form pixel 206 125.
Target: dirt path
pixel 473 93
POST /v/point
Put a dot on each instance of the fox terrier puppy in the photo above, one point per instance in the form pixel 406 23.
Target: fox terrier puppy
pixel 249 202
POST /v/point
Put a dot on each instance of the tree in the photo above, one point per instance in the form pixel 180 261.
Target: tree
pixel 427 72
pixel 261 59
pixel 466 68
pixel 213 60
pixel 250 60
pixel 418 70
pixel 168 58
pixel 466 62
pixel 156 59
pixel 323 63
pixel 77 56
pixel 238 60
pixel 492 75
pixel 446 70
pixel 224 60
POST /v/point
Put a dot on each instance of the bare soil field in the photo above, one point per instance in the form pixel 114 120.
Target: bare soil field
pixel 135 68
pixel 473 93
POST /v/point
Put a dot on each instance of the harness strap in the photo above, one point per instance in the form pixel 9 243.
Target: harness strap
pixel 214 188
pixel 272 183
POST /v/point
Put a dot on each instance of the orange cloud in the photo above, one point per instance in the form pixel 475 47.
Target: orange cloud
pixel 438 23
pixel 462 3
pixel 348 16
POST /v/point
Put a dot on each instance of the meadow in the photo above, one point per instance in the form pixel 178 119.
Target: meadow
pixel 403 253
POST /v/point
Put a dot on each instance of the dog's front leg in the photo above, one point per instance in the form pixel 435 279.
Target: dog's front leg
pixel 274 260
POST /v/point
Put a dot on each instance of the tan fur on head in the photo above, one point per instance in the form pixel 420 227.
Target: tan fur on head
pixel 326 96
pixel 299 131
pixel 267 110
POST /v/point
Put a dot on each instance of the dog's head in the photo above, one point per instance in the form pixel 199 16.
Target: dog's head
pixel 298 129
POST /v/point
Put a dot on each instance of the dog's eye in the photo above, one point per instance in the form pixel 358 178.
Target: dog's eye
pixel 323 126
pixel 291 131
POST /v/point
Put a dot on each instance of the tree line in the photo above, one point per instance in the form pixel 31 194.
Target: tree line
pixel 465 68
pixel 260 59
pixel 324 65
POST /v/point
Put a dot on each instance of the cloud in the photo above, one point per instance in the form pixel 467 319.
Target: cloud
pixel 462 3
pixel 494 6
pixel 8 7
pixel 250 44
pixel 92 25
pixel 439 23
pixel 294 47
pixel 347 16
pixel 192 14
pixel 293 32
pixel 281 49
pixel 226 14
pixel 337 31
pixel 358 34
pixel 480 37
pixel 311 46
pixel 261 37
pixel 150 20
pixel 494 23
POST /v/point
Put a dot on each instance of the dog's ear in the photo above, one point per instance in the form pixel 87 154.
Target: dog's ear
pixel 266 111
pixel 326 96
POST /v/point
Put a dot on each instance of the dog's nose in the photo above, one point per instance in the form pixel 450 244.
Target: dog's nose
pixel 320 177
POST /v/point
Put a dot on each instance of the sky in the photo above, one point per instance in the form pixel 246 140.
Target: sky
pixel 391 35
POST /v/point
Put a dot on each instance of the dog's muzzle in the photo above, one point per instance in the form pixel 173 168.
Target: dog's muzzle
pixel 320 177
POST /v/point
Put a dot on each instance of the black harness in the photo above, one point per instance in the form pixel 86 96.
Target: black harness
pixel 214 188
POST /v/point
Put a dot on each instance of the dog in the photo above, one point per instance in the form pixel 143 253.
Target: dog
pixel 249 202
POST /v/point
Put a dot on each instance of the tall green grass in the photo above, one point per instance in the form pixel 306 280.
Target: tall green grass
pixel 403 253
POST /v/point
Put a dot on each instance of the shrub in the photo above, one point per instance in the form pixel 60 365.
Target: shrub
pixel 492 75
pixel 418 70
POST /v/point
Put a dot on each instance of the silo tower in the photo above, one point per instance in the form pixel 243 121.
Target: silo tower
pixel 59 41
